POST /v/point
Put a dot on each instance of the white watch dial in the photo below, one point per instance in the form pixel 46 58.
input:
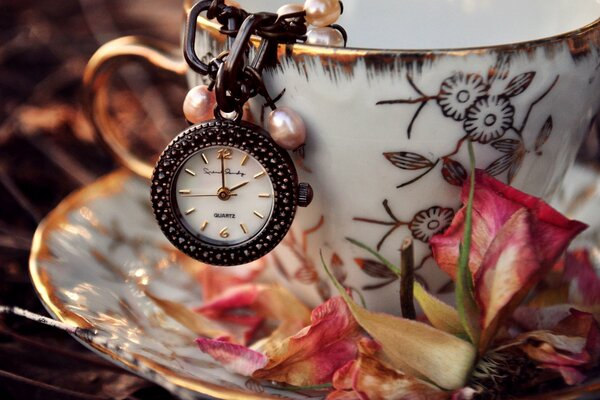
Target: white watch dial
pixel 224 195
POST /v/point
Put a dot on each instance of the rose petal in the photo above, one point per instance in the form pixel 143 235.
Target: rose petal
pixel 509 270
pixel 312 355
pixel 234 297
pixel 493 204
pixel 584 280
pixel 370 378
pixel 269 301
pixel 215 280
pixel 445 247
pixel 439 314
pixel 571 375
pixel 421 350
pixel 197 323
pixel 465 393
pixel 276 302
pixel 582 324
pixel 533 319
pixel 552 230
pixel 548 348
pixel 234 357
pixel 244 308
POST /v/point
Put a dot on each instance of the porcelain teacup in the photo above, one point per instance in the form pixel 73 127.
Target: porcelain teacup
pixel 389 117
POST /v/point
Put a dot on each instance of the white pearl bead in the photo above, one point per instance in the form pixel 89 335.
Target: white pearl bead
pixel 290 9
pixel 322 12
pixel 325 37
pixel 286 128
pixel 199 104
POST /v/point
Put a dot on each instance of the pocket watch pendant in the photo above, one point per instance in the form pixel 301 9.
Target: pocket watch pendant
pixel 224 193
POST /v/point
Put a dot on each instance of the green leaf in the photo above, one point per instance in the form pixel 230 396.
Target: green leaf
pixel 468 311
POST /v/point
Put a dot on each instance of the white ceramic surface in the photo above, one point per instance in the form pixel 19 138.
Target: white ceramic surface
pixel 97 254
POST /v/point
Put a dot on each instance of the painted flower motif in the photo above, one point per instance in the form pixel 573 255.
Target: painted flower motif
pixel 458 93
pixel 430 222
pixel 489 118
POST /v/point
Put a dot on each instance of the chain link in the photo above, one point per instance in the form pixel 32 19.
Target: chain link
pixel 233 77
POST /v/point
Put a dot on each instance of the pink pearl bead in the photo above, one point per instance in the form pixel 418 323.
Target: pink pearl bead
pixel 325 37
pixel 322 12
pixel 199 104
pixel 289 9
pixel 286 128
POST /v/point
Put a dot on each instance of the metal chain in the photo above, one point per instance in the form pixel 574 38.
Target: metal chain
pixel 233 77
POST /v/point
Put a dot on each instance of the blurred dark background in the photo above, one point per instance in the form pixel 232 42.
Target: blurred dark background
pixel 47 150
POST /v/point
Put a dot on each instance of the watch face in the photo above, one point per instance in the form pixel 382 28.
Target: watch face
pixel 224 195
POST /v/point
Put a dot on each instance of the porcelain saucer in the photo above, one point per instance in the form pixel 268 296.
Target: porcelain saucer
pixel 96 255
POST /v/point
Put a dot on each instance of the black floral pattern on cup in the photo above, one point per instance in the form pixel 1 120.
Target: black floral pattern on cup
pixel 458 93
pixel 483 109
pixel 489 118
pixel 430 222
pixel 422 226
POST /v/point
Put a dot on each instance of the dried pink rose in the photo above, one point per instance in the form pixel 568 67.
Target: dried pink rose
pixel 516 239
pixel 309 357
pixel 368 377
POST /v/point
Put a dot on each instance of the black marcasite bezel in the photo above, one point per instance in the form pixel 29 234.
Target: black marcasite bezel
pixel 248 138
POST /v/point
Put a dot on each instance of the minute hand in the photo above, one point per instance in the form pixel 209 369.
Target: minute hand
pixel 204 195
pixel 238 186
pixel 223 171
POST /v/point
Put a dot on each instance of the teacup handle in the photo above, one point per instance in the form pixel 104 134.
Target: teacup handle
pixel 100 69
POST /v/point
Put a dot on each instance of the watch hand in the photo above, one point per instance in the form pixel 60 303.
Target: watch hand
pixel 238 186
pixel 223 172
pixel 205 195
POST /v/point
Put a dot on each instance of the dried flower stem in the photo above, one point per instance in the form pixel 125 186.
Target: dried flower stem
pixel 407 279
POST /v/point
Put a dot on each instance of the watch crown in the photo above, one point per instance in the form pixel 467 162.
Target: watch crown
pixel 305 194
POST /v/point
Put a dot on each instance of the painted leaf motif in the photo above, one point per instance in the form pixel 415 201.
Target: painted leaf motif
pixel 324 290
pixel 453 172
pixel 500 165
pixel 337 265
pixel 307 275
pixel 408 161
pixel 544 134
pixel 515 167
pixel 507 146
pixel 374 268
pixel 500 70
pixel 519 84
